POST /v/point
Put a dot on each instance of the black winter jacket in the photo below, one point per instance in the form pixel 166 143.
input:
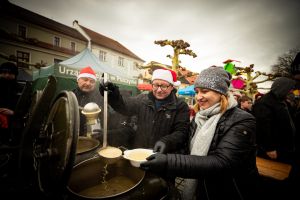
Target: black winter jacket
pixel 84 98
pixel 275 128
pixel 171 120
pixel 10 93
pixel 229 170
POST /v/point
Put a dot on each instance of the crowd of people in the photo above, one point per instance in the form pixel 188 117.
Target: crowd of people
pixel 219 161
pixel 214 151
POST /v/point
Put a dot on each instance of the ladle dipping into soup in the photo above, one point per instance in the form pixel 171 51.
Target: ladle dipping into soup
pixel 110 152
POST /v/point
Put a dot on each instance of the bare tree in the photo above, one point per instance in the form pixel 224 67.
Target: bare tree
pixel 251 87
pixel 179 47
pixel 283 65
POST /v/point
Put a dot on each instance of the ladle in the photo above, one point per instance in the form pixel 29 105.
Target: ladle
pixel 91 111
pixel 107 151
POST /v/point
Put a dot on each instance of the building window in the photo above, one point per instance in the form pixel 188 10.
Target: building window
pixel 56 41
pixel 22 31
pixel 73 46
pixel 23 59
pixel 56 60
pixel 121 62
pixel 102 55
pixel 135 66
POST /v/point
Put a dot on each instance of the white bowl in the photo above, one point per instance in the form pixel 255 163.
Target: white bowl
pixel 137 156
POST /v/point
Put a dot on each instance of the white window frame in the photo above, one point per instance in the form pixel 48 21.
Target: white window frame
pixel 73 48
pixel 25 58
pixel 121 61
pixel 102 56
pixel 22 33
pixel 135 66
pixel 56 41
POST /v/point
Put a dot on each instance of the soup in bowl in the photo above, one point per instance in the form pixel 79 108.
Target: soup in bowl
pixel 137 156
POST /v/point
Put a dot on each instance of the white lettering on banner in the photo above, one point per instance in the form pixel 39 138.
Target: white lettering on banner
pixel 64 70
pixel 73 72
pixel 119 79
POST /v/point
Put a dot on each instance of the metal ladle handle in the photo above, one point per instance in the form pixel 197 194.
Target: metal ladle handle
pixel 105 114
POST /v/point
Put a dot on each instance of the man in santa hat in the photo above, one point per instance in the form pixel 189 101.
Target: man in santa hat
pixel 160 114
pixel 86 92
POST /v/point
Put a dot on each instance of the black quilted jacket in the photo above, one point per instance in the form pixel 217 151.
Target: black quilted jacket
pixel 229 170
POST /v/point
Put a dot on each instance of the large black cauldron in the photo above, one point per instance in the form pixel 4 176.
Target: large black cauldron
pixel 54 153
pixel 94 179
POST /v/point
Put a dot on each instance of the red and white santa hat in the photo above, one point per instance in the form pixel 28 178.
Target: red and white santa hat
pixel 87 72
pixel 166 75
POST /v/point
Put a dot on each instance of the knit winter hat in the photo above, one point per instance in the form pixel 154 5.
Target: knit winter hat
pixel 214 78
pixel 9 67
pixel 166 75
pixel 87 72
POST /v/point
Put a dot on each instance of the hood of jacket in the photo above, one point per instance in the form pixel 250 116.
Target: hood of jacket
pixel 281 87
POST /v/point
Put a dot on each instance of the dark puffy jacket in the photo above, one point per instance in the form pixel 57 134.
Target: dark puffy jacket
pixel 229 170
pixel 171 120
pixel 10 93
pixel 83 98
pixel 275 128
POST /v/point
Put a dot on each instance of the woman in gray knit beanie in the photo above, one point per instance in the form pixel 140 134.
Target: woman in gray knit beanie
pixel 216 80
pixel 221 162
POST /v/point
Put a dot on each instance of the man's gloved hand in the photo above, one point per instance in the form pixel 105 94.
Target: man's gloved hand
pixel 160 147
pixel 156 163
pixel 112 89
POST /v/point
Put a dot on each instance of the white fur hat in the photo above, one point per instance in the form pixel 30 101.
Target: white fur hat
pixel 166 75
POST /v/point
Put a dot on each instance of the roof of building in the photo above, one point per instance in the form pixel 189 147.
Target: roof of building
pixel 109 43
pixel 9 9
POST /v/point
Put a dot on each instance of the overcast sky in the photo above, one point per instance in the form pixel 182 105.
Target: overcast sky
pixel 252 31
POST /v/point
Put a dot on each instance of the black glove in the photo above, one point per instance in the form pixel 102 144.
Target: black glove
pixel 156 163
pixel 112 89
pixel 160 147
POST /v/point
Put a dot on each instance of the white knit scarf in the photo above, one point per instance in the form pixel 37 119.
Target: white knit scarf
pixel 206 121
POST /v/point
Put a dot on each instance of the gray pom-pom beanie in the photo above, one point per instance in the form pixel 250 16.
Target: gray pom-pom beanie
pixel 214 78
